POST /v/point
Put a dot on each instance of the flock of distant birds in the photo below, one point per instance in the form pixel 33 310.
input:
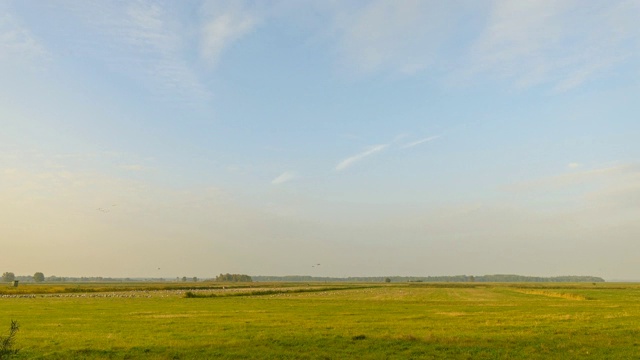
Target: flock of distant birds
pixel 105 210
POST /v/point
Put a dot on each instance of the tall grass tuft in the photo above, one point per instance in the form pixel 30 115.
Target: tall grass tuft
pixel 7 343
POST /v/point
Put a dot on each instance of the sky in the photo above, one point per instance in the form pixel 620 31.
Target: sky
pixel 376 138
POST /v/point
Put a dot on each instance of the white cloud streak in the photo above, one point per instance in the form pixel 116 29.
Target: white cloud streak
pixel 576 178
pixel 348 162
pixel 223 29
pixel 561 43
pixel 133 167
pixel 404 37
pixel 16 41
pixel 143 40
pixel 284 177
pixel 421 141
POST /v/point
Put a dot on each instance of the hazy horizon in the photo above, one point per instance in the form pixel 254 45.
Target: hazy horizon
pixel 413 138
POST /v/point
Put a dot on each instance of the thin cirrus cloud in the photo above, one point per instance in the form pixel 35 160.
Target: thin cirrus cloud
pixel 561 43
pixel 222 30
pixel 387 35
pixel 284 177
pixel 348 162
pixel 591 176
pixel 421 141
pixel 16 41
pixel 142 40
pixel 133 167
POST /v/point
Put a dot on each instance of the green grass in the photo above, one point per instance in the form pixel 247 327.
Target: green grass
pixel 333 321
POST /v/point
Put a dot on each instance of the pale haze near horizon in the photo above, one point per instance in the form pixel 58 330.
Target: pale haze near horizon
pixel 162 139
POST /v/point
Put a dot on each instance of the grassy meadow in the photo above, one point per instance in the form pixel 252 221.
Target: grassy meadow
pixel 324 321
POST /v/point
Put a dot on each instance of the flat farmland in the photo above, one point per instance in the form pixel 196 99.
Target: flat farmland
pixel 324 321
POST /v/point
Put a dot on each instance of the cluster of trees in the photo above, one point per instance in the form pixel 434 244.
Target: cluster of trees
pixel 233 278
pixel 520 278
pixel 455 278
pixel 40 277
pixel 9 277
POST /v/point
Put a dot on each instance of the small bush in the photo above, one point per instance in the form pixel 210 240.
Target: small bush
pixel 6 343
pixel 359 337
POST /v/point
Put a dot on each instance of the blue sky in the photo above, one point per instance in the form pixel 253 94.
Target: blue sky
pixel 374 137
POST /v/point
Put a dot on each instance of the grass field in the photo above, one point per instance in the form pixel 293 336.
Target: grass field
pixel 325 321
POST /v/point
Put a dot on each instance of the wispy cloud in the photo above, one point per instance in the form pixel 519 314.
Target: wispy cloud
pixel 143 40
pixel 16 41
pixel 561 43
pixel 421 141
pixel 284 177
pixel 133 167
pixel 348 162
pixel 404 37
pixel 575 178
pixel 225 27
pixel 149 29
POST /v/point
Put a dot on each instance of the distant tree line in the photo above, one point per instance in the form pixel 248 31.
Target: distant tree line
pixel 233 278
pixel 454 278
pixel 520 278
pixel 40 277
pixel 10 277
